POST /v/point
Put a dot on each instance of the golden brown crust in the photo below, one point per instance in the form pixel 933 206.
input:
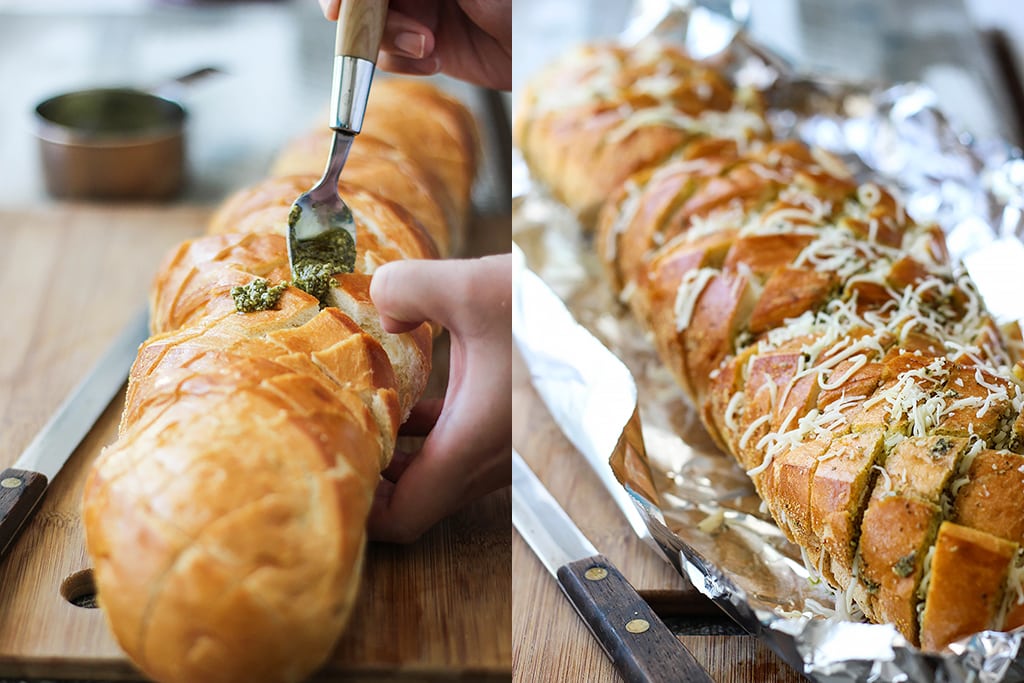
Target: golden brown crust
pixel 989 497
pixel 823 335
pixel 895 536
pixel 386 171
pixel 968 573
pixel 924 466
pixel 619 110
pixel 791 492
pixel 227 523
pixel 839 489
pixel 433 128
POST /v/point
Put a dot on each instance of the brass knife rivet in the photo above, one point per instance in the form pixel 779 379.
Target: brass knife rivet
pixel 11 483
pixel 637 625
pixel 596 573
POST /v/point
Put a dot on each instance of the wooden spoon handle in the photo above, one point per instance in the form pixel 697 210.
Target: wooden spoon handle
pixel 360 28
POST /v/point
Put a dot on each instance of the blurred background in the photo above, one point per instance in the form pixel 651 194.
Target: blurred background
pixel 275 59
pixel 968 51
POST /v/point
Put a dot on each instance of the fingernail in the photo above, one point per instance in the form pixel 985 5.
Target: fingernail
pixel 412 44
pixel 428 66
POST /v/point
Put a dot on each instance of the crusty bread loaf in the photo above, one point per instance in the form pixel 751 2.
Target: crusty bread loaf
pixel 824 337
pixel 603 112
pixel 384 170
pixel 422 153
pixel 227 522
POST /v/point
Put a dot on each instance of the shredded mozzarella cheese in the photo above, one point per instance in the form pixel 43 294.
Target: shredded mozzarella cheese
pixel 692 284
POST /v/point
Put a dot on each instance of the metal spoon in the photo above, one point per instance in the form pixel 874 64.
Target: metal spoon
pixel 321 230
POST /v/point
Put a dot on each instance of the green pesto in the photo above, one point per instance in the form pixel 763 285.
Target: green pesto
pixel 293 215
pixel 314 278
pixel 335 249
pixel 904 566
pixel 317 259
pixel 258 295
pixel 941 447
pixel 314 264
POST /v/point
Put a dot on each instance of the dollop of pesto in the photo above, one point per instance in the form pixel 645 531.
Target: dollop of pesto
pixel 314 278
pixel 335 250
pixel 315 261
pixel 258 295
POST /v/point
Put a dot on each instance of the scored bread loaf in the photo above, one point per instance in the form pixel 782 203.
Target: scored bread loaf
pixel 422 154
pixel 227 523
pixel 824 337
pixel 604 112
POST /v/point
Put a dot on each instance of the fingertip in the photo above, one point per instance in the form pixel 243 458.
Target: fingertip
pixel 383 297
pixel 405 36
pixel 427 66
pixel 384 525
pixel 380 283
pixel 330 8
pixel 394 326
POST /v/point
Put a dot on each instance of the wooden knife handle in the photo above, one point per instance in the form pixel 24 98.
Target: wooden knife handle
pixel 360 28
pixel 639 644
pixel 20 492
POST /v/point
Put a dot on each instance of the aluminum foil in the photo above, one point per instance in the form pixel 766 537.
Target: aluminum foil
pixel 705 515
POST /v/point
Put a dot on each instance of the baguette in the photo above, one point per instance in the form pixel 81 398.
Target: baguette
pixel 823 336
pixel 604 112
pixel 418 147
pixel 227 522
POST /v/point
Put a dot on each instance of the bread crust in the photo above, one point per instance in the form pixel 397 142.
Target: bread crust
pixel 968 574
pixel 619 119
pixel 227 523
pixel 822 334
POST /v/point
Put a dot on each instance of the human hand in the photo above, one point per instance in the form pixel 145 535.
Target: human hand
pixel 466 39
pixel 467 451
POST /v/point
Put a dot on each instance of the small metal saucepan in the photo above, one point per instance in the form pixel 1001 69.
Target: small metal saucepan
pixel 113 143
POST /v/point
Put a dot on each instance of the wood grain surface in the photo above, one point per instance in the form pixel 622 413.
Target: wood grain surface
pixel 549 640
pixel 72 276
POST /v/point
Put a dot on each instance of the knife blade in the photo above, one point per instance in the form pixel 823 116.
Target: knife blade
pixel 589 392
pixel 638 643
pixel 23 484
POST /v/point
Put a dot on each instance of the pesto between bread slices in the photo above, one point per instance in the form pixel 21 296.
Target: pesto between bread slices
pixel 260 295
pixel 316 261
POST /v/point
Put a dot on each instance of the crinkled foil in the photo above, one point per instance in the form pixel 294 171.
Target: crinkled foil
pixel 705 516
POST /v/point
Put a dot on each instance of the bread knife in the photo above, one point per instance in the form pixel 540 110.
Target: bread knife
pixel 23 484
pixel 589 392
pixel 636 640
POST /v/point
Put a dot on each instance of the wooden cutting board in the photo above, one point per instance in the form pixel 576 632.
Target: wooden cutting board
pixel 71 278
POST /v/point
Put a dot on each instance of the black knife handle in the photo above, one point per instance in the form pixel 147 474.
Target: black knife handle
pixel 20 492
pixel 639 644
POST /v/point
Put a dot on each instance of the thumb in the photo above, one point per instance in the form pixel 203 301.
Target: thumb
pixel 410 292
